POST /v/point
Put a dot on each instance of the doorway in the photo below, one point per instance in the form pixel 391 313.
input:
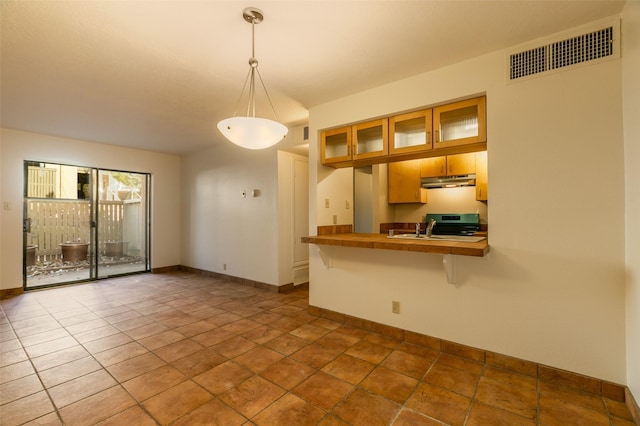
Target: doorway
pixel 363 200
pixel 83 223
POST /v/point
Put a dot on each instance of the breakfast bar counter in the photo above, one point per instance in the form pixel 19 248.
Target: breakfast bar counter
pixel 382 241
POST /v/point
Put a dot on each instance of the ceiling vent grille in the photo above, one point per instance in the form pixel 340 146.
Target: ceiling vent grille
pixel 571 51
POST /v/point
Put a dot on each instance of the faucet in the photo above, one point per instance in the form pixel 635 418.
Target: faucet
pixel 430 225
pixel 417 229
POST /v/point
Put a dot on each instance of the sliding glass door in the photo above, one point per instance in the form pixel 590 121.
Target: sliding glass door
pixel 83 223
pixel 122 223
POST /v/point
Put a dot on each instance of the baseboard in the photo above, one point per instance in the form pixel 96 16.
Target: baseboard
pixel 632 405
pixel 165 269
pixel 286 288
pixel 11 292
pixel 242 281
pixel 543 372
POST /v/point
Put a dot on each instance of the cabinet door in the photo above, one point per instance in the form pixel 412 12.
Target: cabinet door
pixel 371 139
pixel 461 164
pixel 404 183
pixel 482 178
pixel 336 145
pixel 433 167
pixel 460 123
pixel 410 132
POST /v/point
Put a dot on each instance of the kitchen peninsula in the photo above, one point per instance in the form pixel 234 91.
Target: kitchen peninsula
pixel 381 241
pixel 343 237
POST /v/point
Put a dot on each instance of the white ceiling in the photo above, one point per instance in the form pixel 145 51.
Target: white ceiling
pixel 159 75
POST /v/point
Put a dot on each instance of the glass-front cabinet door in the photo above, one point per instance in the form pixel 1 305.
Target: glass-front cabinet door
pixel 460 123
pixel 410 132
pixel 371 139
pixel 336 145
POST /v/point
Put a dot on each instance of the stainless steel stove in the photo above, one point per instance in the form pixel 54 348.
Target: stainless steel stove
pixel 454 223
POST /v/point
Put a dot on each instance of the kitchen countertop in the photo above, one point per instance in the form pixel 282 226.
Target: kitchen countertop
pixel 380 241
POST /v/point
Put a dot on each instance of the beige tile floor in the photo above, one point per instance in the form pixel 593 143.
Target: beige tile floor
pixel 185 349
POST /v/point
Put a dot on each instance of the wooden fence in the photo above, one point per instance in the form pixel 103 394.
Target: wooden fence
pixel 41 182
pixel 59 221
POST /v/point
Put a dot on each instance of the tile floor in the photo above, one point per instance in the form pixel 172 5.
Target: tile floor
pixel 184 349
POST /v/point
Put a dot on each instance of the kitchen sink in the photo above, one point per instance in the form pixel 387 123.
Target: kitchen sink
pixel 422 237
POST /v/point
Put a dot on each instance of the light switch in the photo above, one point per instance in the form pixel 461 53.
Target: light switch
pixel 6 205
pixel 346 204
pixel 326 203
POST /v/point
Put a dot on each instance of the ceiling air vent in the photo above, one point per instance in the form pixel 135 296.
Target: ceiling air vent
pixel 560 54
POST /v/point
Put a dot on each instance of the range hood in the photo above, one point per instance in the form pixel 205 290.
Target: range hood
pixel 449 181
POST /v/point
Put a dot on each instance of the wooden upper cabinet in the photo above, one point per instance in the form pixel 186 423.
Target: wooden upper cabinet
pixel 461 164
pixel 445 130
pixel 482 178
pixel 404 183
pixel 449 165
pixel 433 167
pixel 411 132
pixel 336 145
pixel 460 123
pixel 370 139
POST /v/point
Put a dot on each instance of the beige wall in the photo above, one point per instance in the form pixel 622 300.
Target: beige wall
pixel 18 146
pixel 631 105
pixel 552 288
pixel 220 226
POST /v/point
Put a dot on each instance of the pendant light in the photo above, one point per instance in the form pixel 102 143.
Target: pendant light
pixel 249 131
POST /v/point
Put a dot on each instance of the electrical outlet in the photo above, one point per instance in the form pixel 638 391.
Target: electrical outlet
pixel 395 307
pixel 224 266
pixel 335 219
pixel 326 203
pixel 347 205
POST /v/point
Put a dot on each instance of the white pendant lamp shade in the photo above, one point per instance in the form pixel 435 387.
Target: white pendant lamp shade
pixel 252 132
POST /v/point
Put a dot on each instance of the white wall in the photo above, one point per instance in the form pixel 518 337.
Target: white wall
pixel 219 225
pixel 552 288
pixel 631 105
pixel 17 146
pixel 334 192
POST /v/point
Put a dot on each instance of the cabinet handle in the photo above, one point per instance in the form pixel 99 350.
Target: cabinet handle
pixel 348 150
pixel 437 138
pixel 428 138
